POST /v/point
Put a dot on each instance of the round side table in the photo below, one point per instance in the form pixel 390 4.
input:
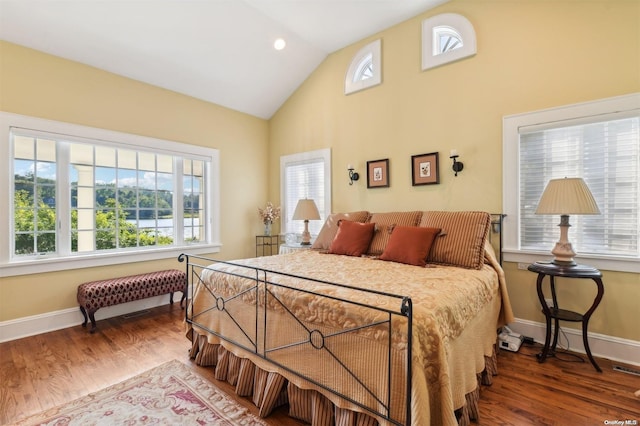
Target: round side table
pixel 556 314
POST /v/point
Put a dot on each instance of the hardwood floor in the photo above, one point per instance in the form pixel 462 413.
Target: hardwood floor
pixel 43 371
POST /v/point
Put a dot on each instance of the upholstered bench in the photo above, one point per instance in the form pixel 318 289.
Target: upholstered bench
pixel 98 294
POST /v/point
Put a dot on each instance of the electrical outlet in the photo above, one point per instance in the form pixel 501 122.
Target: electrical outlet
pixel 549 302
pixel 523 266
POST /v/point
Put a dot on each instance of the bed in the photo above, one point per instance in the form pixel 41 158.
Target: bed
pixel 385 334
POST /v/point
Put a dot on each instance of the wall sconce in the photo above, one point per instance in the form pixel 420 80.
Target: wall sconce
pixel 457 165
pixel 353 176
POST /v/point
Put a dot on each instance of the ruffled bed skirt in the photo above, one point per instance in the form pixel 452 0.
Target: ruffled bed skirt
pixel 269 390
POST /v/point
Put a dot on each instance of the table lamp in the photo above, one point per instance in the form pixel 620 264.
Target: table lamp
pixel 564 197
pixel 306 210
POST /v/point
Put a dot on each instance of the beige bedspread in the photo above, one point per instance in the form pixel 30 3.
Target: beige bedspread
pixel 455 316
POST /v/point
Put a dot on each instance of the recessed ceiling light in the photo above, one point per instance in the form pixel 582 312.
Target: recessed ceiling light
pixel 279 44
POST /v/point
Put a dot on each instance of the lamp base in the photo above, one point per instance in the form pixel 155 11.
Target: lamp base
pixel 564 262
pixel 563 251
pixel 306 235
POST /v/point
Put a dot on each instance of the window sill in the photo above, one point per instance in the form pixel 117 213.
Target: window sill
pixel 42 265
pixel 617 264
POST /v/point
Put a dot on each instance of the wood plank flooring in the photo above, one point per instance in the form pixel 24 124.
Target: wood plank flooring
pixel 43 371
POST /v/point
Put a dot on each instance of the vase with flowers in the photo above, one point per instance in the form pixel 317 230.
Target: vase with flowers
pixel 268 215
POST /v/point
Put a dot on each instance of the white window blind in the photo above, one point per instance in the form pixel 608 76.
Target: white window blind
pixel 305 175
pixel 604 151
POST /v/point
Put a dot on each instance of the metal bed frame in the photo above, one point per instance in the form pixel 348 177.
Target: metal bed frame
pixel 263 292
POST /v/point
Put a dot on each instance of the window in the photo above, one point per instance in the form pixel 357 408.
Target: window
pixel 305 175
pixel 446 38
pixel 597 141
pixel 365 69
pixel 79 193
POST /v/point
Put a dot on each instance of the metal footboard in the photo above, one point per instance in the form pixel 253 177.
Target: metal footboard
pixel 354 343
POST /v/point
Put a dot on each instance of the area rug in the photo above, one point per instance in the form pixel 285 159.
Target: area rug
pixel 170 394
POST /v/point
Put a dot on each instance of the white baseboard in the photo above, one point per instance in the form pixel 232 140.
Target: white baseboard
pixel 603 346
pixel 38 324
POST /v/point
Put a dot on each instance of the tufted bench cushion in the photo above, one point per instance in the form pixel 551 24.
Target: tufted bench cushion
pixel 98 294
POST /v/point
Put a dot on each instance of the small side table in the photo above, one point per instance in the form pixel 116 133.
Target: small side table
pixel 565 271
pixel 267 245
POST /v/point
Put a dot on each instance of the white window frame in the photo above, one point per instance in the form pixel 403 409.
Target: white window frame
pixel 431 56
pixel 511 183
pixel 12 266
pixel 372 52
pixel 301 158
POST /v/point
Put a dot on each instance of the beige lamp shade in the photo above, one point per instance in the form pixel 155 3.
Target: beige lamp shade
pixel 306 210
pixel 565 197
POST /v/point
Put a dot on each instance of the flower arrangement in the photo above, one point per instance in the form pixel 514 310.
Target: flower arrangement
pixel 269 213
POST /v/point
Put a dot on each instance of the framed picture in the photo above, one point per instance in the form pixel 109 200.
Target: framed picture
pixel 378 173
pixel 424 169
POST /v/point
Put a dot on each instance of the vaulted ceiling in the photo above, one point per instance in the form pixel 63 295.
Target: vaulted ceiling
pixel 219 51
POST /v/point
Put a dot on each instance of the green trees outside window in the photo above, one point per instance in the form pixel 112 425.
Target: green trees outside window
pixel 35 217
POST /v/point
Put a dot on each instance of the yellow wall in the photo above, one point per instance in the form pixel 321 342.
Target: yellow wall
pixel 531 55
pixel 40 85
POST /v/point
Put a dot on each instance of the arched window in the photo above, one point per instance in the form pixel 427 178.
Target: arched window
pixel 365 69
pixel 446 38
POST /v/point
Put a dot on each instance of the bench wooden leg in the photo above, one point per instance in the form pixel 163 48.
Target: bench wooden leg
pixel 84 314
pixel 93 321
pixel 92 317
pixel 184 294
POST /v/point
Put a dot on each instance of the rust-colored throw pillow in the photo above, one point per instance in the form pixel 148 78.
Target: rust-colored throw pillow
pixel 384 225
pixel 410 245
pixel 352 238
pixel 463 236
pixel 330 227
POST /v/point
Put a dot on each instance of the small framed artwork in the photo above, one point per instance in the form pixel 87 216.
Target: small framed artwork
pixel 378 173
pixel 424 169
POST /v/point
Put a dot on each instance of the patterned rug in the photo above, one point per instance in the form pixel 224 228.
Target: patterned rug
pixel 170 394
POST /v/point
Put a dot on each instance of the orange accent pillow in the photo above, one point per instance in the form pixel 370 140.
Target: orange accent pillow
pixel 410 245
pixel 330 227
pixel 352 238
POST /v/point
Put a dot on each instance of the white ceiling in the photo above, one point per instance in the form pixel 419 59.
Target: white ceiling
pixel 219 51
